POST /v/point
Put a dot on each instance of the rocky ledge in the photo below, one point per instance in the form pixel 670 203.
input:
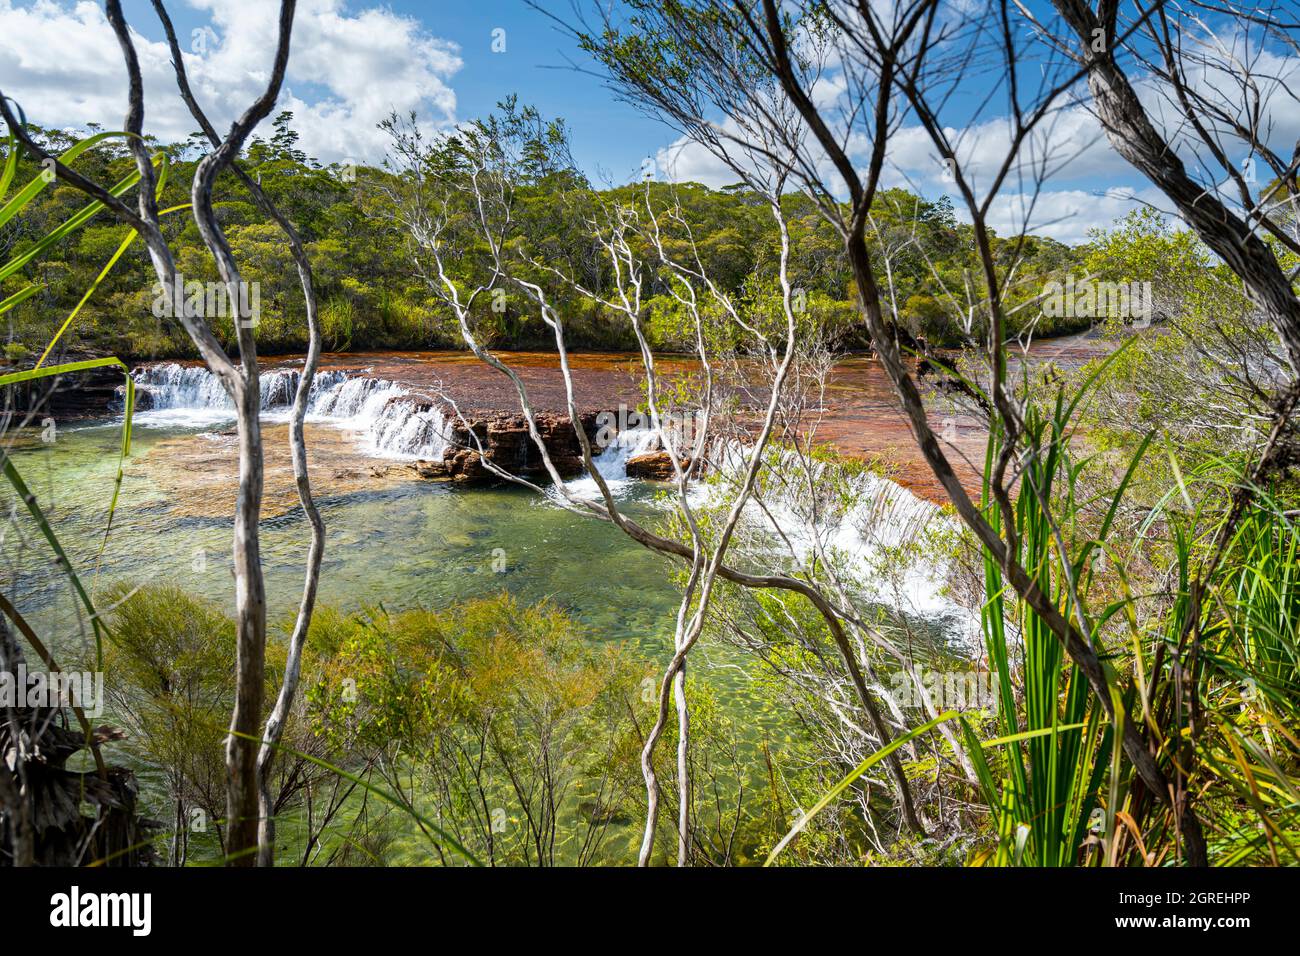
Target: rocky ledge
pixel 507 444
pixel 90 393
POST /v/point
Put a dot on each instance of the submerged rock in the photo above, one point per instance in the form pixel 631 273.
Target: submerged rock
pixel 429 469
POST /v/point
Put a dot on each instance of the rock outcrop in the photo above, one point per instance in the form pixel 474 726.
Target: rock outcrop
pixel 654 466
pixel 90 393
pixel 507 444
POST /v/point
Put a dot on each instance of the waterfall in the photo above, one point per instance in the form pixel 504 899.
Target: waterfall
pixel 393 422
pixel 612 460
pixel 897 548
pixel 175 387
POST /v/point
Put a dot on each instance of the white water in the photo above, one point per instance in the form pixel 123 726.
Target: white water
pixel 894 547
pixel 875 529
pixel 390 421
pixel 611 462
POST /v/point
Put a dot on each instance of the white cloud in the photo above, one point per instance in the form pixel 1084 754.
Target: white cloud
pixel 347 70
pixel 1065 215
pixel 685 161
pixel 1069 143
pixel 1085 183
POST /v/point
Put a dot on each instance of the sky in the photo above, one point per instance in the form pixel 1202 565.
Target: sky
pixel 354 61
pixel 351 64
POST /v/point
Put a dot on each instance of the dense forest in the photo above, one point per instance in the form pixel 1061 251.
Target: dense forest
pixel 371 297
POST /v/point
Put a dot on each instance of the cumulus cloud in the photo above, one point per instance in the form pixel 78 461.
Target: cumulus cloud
pixel 685 161
pixel 348 70
pixel 1065 215
pixel 1085 183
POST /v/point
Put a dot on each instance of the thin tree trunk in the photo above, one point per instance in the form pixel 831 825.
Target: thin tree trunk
pixel 250 637
pixel 683 768
pixel 298 448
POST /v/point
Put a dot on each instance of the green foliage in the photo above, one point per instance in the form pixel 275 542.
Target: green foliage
pixel 1203 376
pixel 1042 790
pixel 171 668
pixel 372 296
pixel 1195 623
pixel 503 719
pixel 1248 688
pixel 169 685
pixel 13 205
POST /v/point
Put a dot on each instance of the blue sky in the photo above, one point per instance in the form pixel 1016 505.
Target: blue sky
pixel 610 138
pixel 608 135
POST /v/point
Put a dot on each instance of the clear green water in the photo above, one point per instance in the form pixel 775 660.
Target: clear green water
pixel 419 544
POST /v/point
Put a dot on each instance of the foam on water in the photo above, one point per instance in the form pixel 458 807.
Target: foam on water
pixel 872 536
pixel 890 542
pixel 391 421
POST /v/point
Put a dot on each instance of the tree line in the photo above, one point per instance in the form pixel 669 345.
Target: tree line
pixel 372 298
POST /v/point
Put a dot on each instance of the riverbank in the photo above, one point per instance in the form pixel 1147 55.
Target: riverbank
pixel 410 402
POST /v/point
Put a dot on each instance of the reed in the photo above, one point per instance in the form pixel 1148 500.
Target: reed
pixel 1043 787
pixel 11 206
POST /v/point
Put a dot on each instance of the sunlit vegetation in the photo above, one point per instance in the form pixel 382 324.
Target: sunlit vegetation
pixel 1121 583
pixel 371 298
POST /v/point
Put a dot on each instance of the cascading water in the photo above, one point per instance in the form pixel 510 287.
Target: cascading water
pixel 612 461
pixel 877 528
pixel 895 546
pixel 394 423
pixel 176 389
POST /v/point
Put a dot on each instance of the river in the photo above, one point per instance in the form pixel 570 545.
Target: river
pixel 394 539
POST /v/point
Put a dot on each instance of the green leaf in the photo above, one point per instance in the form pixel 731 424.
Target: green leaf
pixel 20 296
pixel 29 499
pixel 39 182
